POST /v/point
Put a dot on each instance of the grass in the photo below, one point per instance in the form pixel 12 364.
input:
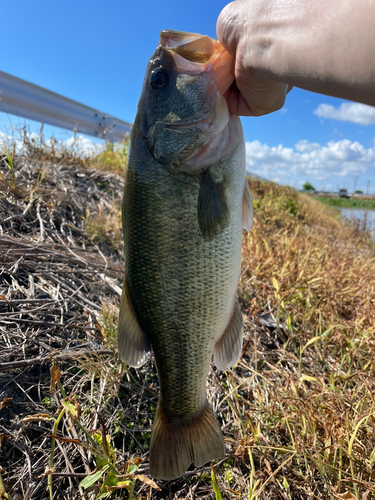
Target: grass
pixel 347 202
pixel 103 225
pixel 298 409
pixel 305 424
pixel 314 407
pixel 103 222
pixel 114 158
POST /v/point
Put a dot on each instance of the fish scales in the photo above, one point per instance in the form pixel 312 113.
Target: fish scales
pixel 182 234
pixel 178 281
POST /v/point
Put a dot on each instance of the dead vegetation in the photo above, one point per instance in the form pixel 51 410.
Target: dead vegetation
pixel 297 411
pixel 314 406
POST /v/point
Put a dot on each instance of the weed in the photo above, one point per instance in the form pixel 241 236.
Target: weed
pixel 105 226
pixel 107 476
pixel 114 158
pixel 316 275
pixel 8 159
pixel 298 409
pixel 215 485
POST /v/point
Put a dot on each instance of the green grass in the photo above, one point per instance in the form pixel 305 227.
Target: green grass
pixel 114 158
pixel 346 202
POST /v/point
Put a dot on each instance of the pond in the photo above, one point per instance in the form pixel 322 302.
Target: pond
pixel 365 217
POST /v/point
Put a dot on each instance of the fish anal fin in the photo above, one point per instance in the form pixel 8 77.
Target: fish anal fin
pixel 247 208
pixel 228 348
pixel 213 211
pixel 177 443
pixel 133 345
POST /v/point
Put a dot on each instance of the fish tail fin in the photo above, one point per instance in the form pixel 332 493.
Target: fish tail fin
pixel 175 444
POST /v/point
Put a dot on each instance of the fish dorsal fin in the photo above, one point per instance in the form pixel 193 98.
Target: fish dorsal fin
pixel 247 208
pixel 228 348
pixel 133 345
pixel 213 212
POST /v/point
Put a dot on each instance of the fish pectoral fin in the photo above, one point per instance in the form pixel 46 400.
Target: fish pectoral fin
pixel 213 211
pixel 177 443
pixel 247 208
pixel 228 348
pixel 133 345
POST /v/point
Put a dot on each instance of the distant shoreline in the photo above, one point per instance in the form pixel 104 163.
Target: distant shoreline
pixel 366 203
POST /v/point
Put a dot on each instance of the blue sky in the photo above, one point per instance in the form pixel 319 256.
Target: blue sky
pixel 96 53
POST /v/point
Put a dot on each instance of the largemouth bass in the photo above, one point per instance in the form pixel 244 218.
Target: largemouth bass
pixel 186 200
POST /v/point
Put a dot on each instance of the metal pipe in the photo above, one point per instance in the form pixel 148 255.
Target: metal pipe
pixel 21 98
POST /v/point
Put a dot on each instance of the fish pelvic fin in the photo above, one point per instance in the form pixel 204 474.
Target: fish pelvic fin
pixel 133 345
pixel 247 207
pixel 177 443
pixel 228 348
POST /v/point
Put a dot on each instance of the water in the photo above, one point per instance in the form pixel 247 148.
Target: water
pixel 365 216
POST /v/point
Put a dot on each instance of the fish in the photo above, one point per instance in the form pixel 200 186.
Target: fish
pixel 186 200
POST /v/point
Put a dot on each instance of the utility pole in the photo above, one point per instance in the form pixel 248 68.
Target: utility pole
pixel 355 182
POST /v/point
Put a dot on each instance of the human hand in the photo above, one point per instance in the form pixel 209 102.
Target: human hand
pixel 249 95
pixel 278 44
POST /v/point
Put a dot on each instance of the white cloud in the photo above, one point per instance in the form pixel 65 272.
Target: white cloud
pixel 304 145
pixel 347 112
pixel 82 144
pixel 79 143
pixel 7 141
pixel 307 160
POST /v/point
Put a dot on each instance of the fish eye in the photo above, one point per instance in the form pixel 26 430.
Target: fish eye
pixel 158 78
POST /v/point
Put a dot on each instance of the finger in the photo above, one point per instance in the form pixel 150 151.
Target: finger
pixel 237 104
pixel 256 97
pixel 228 27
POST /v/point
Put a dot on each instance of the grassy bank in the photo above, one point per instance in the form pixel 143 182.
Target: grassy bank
pixel 346 202
pixel 313 409
pixel 297 410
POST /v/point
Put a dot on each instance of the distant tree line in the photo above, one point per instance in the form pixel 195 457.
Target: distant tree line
pixel 308 187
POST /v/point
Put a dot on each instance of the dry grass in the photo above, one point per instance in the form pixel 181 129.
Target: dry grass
pixel 313 401
pixel 297 411
pixel 103 225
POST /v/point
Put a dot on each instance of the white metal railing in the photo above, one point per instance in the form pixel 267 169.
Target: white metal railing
pixel 21 98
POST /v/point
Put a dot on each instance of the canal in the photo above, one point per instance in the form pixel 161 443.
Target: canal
pixel 365 217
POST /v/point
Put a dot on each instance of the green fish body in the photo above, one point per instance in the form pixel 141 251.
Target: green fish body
pixel 186 200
